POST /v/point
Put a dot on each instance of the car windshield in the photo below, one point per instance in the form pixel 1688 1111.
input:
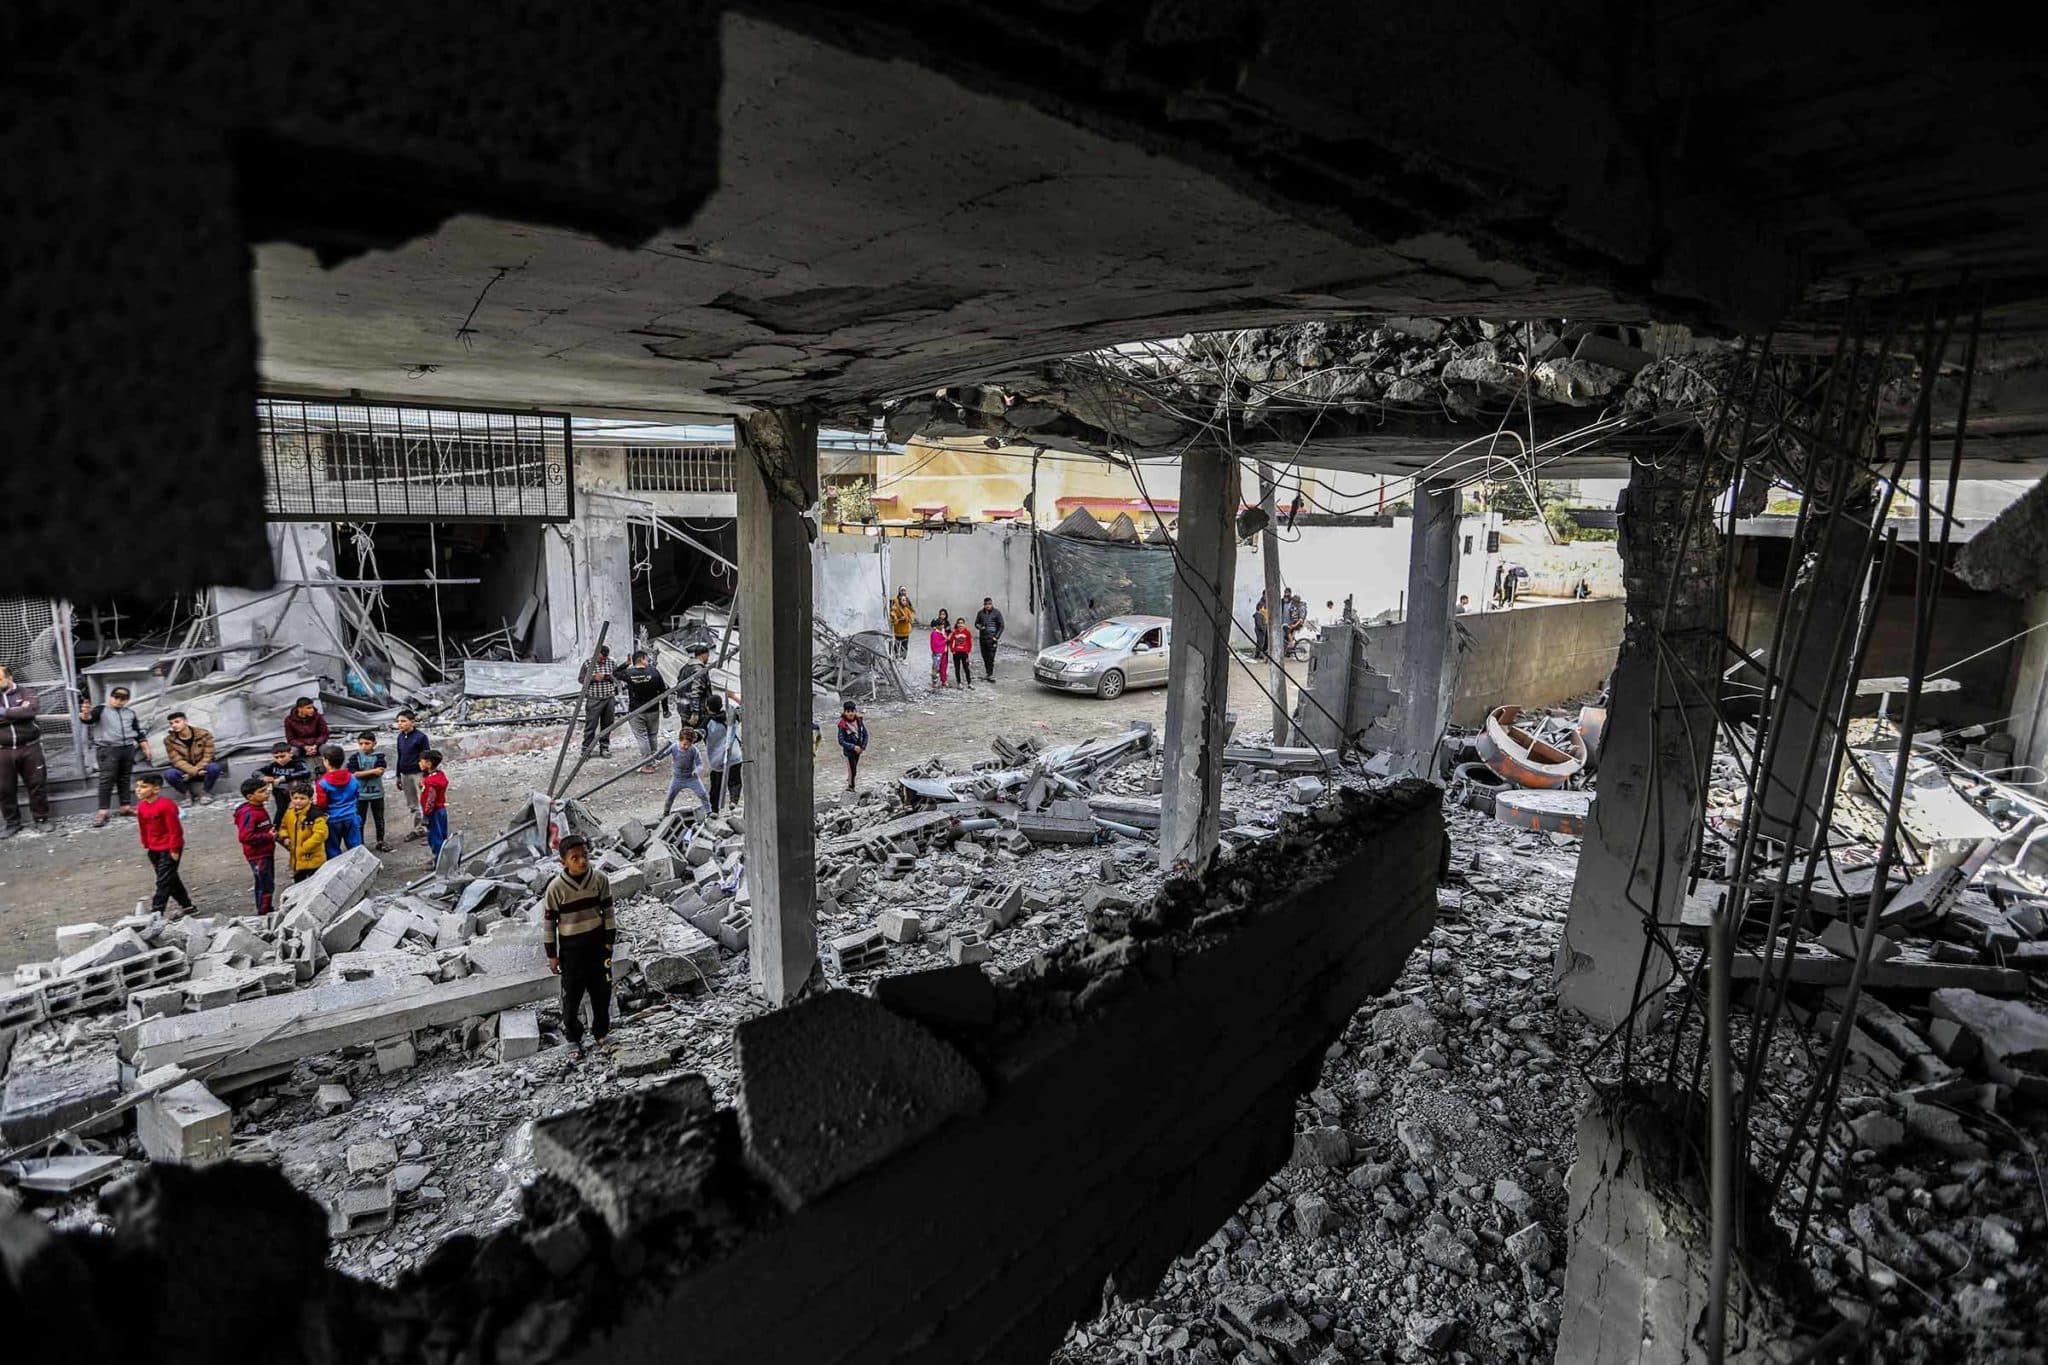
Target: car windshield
pixel 1108 635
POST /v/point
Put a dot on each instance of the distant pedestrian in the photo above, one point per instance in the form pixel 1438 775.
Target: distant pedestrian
pixel 1294 612
pixel 434 800
pixel 902 617
pixel 22 763
pixel 942 649
pixel 340 797
pixel 258 838
pixel 117 736
pixel 191 765
pixel 686 768
pixel 162 829
pixel 722 752
pixel 412 742
pixel 1262 631
pixel 988 625
pixel 963 652
pixel 600 684
pixel 303 832
pixel 1464 604
pixel 853 737
pixel 305 729
pixel 578 933
pixel 646 704
pixel 368 766
pixel 285 770
pixel 693 688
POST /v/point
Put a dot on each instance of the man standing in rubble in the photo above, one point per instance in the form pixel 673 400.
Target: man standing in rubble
pixel 693 688
pixel 578 932
pixel 21 757
pixel 600 683
pixel 988 625
pixel 647 703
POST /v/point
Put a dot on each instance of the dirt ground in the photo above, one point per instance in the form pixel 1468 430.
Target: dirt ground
pixel 80 873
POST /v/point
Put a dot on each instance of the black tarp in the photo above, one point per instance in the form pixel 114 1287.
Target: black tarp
pixel 1086 580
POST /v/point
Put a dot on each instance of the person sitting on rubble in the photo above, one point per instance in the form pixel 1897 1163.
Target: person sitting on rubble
pixel 902 616
pixel 686 761
pixel 600 684
pixel 646 704
pixel 303 832
pixel 578 933
pixel 340 796
pixel 190 751
pixel 942 648
pixel 305 729
pixel 853 732
pixel 434 801
pixel 722 750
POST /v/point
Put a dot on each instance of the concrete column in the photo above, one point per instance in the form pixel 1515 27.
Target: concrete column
pixel 1269 550
pixel 777 473
pixel 1426 631
pixel 1659 742
pixel 1198 665
pixel 1826 601
pixel 589 568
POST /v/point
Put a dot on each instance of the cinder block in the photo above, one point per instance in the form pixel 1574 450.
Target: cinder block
pixel 346 931
pixel 112 948
pixel 518 1034
pixel 156 1002
pixel 362 1211
pixel 333 1099
pixel 186 1123
pixel 339 884
pixel 76 938
pixel 901 926
pixel 968 948
pixel 863 950
pixel 396 1054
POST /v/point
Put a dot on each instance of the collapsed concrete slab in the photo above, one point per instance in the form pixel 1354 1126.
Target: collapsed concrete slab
pixel 1136 1086
pixel 339 884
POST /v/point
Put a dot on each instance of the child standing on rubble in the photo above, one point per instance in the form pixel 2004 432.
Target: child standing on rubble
pixel 686 762
pixel 258 838
pixel 163 837
pixel 853 740
pixel 303 832
pixel 578 932
pixel 434 800
pixel 340 795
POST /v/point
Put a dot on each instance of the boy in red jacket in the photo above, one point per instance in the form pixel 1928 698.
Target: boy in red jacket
pixel 163 838
pixel 258 839
pixel 434 800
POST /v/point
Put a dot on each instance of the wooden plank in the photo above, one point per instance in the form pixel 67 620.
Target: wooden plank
pixel 1901 975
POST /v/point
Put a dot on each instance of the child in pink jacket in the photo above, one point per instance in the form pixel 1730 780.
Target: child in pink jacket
pixel 941 648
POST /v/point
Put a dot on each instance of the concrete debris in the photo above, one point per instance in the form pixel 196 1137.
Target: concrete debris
pixel 185 1123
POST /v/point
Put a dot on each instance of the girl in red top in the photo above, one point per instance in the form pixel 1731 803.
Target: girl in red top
pixel 963 645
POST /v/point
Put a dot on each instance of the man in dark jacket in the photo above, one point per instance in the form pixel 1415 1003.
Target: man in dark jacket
pixel 693 687
pixel 988 625
pixel 647 702
pixel 306 729
pixel 21 757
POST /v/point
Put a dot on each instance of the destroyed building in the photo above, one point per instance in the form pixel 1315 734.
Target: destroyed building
pixel 1436 1017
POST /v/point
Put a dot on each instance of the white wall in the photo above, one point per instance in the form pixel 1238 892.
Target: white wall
pixel 850 581
pixel 957 570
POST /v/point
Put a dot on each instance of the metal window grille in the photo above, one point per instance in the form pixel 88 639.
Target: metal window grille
pixel 355 461
pixel 679 469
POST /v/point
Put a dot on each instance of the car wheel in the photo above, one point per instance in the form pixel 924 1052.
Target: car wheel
pixel 1111 686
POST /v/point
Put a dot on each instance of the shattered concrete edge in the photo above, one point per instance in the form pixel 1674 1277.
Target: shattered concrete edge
pixel 1125 1112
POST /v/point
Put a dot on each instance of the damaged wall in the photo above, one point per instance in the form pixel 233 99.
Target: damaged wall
pixel 852 579
pixel 1132 1088
pixel 956 571
pixel 1531 656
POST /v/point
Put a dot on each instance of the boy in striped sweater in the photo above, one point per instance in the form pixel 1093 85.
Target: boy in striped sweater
pixel 578 932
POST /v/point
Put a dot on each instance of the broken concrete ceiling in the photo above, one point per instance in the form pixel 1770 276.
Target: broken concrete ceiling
pixel 673 208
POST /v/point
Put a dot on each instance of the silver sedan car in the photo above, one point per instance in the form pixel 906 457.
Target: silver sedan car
pixel 1109 656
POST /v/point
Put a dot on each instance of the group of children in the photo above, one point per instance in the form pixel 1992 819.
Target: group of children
pixel 951 641
pixel 313 820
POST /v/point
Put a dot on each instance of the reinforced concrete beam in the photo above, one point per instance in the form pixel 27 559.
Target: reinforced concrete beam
pixel 1426 632
pixel 776 468
pixel 1198 664
pixel 1659 747
pixel 1129 1090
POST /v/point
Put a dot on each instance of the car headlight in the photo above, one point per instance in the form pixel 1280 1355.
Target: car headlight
pixel 1084 665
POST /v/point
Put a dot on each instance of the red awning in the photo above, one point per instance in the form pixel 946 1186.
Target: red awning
pixel 929 509
pixel 1164 506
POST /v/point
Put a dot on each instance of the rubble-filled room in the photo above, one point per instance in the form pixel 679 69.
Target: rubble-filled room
pixel 1039 684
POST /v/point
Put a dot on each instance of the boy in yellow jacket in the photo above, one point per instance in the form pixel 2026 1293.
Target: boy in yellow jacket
pixel 302 833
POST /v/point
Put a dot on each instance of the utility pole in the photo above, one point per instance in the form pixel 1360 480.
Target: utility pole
pixel 1276 625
